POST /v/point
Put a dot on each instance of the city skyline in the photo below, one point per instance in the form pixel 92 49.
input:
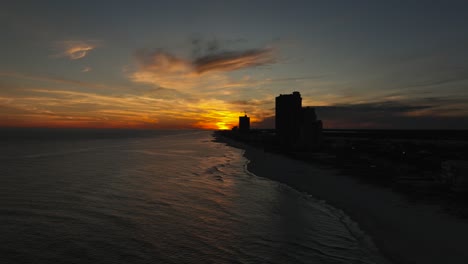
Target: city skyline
pixel 176 64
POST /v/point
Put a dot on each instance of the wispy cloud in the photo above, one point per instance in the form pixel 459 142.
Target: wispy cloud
pixel 51 79
pixel 233 60
pixel 164 69
pixel 434 81
pixel 86 69
pixel 76 49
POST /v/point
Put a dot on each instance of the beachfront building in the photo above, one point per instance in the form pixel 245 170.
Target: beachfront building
pixel 288 109
pixel 296 127
pixel 311 129
pixel 244 123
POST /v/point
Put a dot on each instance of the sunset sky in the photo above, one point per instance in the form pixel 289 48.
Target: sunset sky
pixel 201 64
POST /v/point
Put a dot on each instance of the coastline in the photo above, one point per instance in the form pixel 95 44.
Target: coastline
pixel 403 231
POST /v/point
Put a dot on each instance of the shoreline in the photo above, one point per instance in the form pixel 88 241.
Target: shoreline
pixel 403 231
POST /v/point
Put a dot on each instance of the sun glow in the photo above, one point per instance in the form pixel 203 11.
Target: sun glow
pixel 72 108
pixel 215 120
pixel 222 126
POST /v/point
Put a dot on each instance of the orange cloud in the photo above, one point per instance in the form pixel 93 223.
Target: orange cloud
pixel 62 108
pixel 189 94
pixel 166 70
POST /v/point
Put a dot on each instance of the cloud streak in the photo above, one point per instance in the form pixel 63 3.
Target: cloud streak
pixel 233 60
pixel 75 50
pixel 166 70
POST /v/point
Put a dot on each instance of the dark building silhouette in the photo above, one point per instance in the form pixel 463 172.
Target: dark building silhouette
pixel 244 123
pixel 311 129
pixel 296 127
pixel 288 117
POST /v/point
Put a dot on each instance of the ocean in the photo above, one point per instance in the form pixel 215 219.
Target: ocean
pixel 157 197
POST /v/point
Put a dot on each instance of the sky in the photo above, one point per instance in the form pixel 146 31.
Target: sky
pixel 202 64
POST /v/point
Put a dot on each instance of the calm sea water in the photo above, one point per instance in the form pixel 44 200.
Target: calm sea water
pixel 161 197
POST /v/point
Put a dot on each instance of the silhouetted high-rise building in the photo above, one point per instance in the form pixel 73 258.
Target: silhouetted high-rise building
pixel 311 129
pixel 288 117
pixel 244 123
pixel 296 127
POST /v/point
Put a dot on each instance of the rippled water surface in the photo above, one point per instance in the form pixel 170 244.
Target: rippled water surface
pixel 171 197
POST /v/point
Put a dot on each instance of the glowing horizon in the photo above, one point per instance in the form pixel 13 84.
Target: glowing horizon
pixel 65 69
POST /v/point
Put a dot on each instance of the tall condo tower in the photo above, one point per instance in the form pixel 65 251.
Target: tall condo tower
pixel 288 118
pixel 244 123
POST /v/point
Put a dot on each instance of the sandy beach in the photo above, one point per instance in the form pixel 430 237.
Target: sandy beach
pixel 404 232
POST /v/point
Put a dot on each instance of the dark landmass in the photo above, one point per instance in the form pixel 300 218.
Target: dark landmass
pixel 417 163
pixel 390 185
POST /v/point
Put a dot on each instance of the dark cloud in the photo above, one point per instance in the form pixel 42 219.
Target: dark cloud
pixel 386 107
pixel 389 115
pixel 233 60
pixel 202 46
